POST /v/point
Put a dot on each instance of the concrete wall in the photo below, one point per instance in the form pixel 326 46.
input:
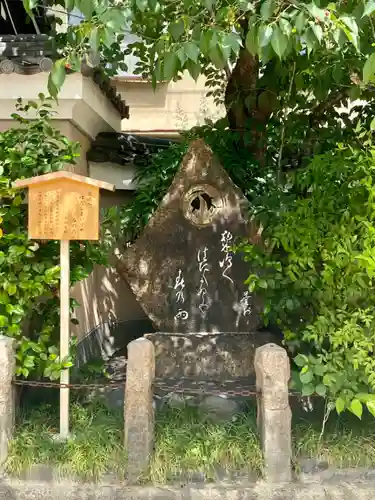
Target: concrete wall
pixel 104 295
pixel 173 106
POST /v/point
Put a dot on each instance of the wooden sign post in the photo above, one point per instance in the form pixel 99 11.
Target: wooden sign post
pixel 63 206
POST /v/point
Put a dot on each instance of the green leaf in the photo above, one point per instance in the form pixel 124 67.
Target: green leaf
pixel 301 360
pixel 177 29
pixel 182 56
pixel 29 5
pixel 158 73
pixel 252 40
pixel 369 8
pixel 142 5
pixel 351 23
pixel 58 73
pixel 307 377
pixel 115 20
pixel 3 321
pixel 279 42
pixel 318 31
pixel 369 69
pixel 300 22
pixel 319 370
pixel 192 51
pixel 316 12
pixel 340 405
pixel 264 35
pixel 233 42
pixel 267 9
pixel 352 32
pixel 53 91
pixel 171 63
pixel 321 390
pixel 216 57
pixel 86 7
pixel 12 289
pixel 372 124
pixel 310 40
pixel 29 362
pixel 356 408
pixel 194 69
pixel 285 26
pixel 205 41
pixel 371 407
pixel 308 390
pixel 69 5
pixel 109 37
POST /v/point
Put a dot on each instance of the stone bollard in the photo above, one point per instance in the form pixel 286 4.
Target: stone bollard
pixel 274 417
pixel 139 412
pixel 7 400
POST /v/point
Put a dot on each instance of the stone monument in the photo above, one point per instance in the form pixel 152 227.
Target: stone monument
pixel 182 268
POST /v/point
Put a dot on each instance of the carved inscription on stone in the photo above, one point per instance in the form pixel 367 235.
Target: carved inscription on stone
pixel 63 210
pixel 182 268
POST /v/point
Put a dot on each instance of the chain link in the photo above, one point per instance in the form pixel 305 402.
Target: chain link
pixel 57 385
pixel 194 387
pixel 197 388
pixel 206 388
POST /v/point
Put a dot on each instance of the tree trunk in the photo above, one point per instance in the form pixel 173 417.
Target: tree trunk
pixel 248 106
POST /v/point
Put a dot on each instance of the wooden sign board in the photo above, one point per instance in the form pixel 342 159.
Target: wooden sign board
pixel 63 210
pixel 63 206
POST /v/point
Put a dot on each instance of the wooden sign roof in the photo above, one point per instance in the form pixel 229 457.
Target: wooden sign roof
pixel 63 175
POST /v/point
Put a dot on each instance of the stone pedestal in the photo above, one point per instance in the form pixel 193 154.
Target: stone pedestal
pixel 139 412
pixel 7 401
pixel 274 415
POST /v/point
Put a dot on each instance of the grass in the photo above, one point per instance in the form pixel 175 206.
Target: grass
pixel 185 445
pixel 95 449
pixel 346 443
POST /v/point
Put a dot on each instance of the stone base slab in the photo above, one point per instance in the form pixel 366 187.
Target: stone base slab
pixel 220 355
pixel 28 490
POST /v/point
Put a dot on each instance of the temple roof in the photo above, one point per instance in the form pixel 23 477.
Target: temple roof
pixel 122 148
pixel 30 54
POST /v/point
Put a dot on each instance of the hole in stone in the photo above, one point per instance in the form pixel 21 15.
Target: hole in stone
pixel 206 199
pixel 209 201
pixel 201 204
pixel 196 203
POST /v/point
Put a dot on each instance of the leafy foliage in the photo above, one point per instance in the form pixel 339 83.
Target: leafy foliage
pixel 177 36
pixel 323 49
pixel 29 270
pixel 284 69
pixel 315 271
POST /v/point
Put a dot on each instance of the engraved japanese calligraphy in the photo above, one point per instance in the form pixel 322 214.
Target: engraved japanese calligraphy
pixel 179 288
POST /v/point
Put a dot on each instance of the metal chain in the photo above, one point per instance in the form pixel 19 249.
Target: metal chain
pixel 163 386
pixel 204 389
pixel 158 384
pixel 57 385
